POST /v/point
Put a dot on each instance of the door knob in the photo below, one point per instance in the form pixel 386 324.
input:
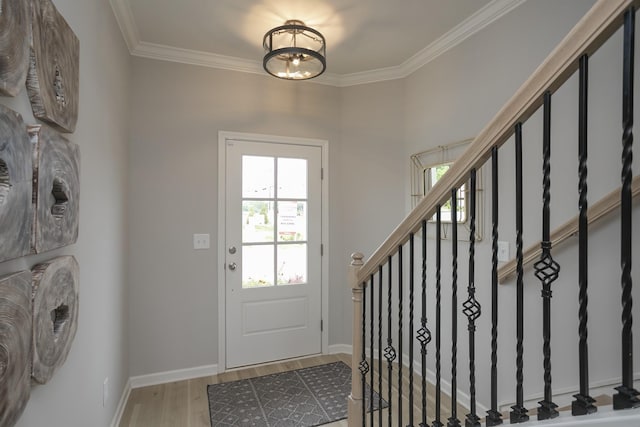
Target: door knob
pixel 232 250
pixel 232 266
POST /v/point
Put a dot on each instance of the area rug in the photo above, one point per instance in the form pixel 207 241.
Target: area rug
pixel 301 398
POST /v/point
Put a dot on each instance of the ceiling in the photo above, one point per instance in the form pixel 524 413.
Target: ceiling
pixel 367 40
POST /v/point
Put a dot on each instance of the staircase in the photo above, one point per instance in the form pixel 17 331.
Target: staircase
pixel 442 353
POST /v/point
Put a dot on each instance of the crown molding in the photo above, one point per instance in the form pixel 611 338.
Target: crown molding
pixel 467 28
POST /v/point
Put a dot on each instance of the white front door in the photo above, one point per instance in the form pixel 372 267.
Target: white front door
pixel 273 251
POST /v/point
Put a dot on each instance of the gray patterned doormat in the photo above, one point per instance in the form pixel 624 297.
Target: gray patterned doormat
pixel 302 398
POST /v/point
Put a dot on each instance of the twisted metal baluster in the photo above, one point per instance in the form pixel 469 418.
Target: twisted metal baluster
pixel 371 348
pixel 364 366
pixel 389 351
pixel 584 403
pixel 379 345
pixel 471 305
pixel 519 413
pixel 453 420
pixel 494 417
pixel 411 307
pixel 424 335
pixel 400 319
pixel 546 268
pixel 437 422
pixel 627 396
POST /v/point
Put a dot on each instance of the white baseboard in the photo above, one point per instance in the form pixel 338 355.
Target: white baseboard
pixel 115 422
pixel 171 376
pixel 339 348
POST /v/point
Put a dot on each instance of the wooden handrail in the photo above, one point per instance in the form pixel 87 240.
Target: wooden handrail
pixel 596 212
pixel 602 20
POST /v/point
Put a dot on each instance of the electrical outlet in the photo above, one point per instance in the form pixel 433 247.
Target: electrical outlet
pixel 503 251
pixel 201 241
pixel 105 391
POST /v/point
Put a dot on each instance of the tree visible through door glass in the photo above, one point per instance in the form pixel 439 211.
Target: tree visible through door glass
pixel 274 221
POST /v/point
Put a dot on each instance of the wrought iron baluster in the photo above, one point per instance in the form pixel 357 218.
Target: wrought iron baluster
pixel 627 396
pixel 546 268
pixel 453 420
pixel 424 335
pixel 364 366
pixel 471 306
pixel 494 417
pixel 400 320
pixel 519 412
pixel 379 345
pixel 437 422
pixel 371 348
pixel 389 351
pixel 584 403
pixel 411 307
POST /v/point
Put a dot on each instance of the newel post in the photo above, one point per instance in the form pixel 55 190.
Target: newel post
pixel 356 397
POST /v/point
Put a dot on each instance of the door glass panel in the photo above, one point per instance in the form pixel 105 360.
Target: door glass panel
pixel 257 221
pixel 292 221
pixel 257 177
pixel 292 178
pixel 257 266
pixel 292 264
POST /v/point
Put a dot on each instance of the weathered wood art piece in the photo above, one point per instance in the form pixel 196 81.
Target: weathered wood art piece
pixel 54 69
pixel 55 314
pixel 15 186
pixel 56 187
pixel 15 346
pixel 15 22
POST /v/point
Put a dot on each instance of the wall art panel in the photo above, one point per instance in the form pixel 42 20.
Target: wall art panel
pixel 54 69
pixel 55 314
pixel 15 346
pixel 56 186
pixel 15 186
pixel 15 24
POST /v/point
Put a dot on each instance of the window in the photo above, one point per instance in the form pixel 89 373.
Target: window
pixel 427 168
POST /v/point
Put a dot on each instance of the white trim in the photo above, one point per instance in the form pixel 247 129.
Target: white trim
pixel 172 376
pixel 564 396
pixel 605 417
pixel 223 136
pixel 493 11
pixel 122 404
pixel 340 348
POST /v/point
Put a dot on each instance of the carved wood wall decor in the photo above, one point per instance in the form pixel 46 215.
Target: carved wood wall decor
pixel 15 25
pixel 54 69
pixel 15 346
pixel 56 186
pixel 15 186
pixel 55 314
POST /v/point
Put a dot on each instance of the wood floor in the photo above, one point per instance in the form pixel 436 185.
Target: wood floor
pixel 185 403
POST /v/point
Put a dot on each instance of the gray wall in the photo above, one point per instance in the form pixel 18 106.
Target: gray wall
pixel 177 112
pixel 74 396
pixel 452 99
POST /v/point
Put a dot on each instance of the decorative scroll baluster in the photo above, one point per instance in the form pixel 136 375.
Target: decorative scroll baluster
pixel 494 417
pixel 627 396
pixel 472 306
pixel 364 366
pixel 379 346
pixel 519 412
pixel 424 335
pixel 546 268
pixel 411 307
pixel 389 352
pixel 453 420
pixel 584 403
pixel 400 319
pixel 437 422
pixel 371 348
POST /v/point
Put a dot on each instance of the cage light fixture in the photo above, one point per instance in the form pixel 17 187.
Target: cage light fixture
pixel 294 51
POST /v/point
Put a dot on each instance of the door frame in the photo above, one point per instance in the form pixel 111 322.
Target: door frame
pixel 223 137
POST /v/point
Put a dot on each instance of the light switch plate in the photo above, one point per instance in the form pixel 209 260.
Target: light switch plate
pixel 201 241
